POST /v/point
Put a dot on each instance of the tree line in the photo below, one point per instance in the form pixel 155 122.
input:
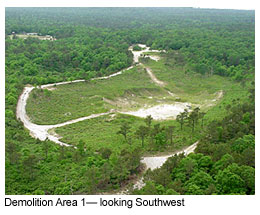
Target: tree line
pixel 223 162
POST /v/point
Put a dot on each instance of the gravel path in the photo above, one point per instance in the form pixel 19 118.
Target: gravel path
pixel 154 79
pixel 41 131
pixel 156 162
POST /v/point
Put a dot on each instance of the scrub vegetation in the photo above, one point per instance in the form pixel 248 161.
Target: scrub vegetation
pixel 127 91
pixel 208 60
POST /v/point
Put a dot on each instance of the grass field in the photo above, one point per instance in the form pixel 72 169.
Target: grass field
pixel 130 91
pixel 102 132
pixel 198 89
pixel 124 92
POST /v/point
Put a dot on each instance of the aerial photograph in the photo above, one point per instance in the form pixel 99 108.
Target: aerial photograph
pixel 129 101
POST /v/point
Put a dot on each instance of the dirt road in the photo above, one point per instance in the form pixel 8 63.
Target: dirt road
pixel 41 131
pixel 154 79
pixel 160 112
pixel 156 162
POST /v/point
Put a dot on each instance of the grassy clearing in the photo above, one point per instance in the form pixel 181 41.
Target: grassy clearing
pixel 128 91
pixel 196 88
pixel 102 132
pixel 132 90
pixel 99 132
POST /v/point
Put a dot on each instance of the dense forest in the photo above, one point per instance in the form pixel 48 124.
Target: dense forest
pixel 93 42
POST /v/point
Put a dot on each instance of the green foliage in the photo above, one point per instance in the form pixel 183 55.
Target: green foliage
pixel 160 140
pixel 98 96
pixel 124 129
pixel 201 45
pixel 248 141
pixel 201 179
pixel 229 182
pixel 142 132
pixel 137 48
pixel 148 121
pixel 193 189
pixel 216 168
pixel 182 117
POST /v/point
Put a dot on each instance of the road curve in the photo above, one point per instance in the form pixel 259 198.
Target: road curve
pixel 41 131
pixel 156 162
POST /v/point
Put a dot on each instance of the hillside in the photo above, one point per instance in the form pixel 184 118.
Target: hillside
pixel 120 89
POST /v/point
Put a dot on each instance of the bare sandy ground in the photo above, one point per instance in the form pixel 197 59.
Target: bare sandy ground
pixel 156 162
pixel 160 112
pixel 137 54
pixel 154 79
pixel 153 57
pixel 210 103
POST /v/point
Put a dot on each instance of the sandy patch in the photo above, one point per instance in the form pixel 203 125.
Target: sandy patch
pixel 153 57
pixel 157 162
pixel 161 112
pixel 120 102
pixel 171 94
pixel 154 79
pixel 211 103
pixel 219 94
pixel 137 54
pixel 51 88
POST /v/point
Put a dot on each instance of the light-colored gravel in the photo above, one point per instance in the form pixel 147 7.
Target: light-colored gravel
pixel 160 112
pixel 156 162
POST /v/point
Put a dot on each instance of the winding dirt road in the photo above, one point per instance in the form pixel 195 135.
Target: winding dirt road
pixel 41 131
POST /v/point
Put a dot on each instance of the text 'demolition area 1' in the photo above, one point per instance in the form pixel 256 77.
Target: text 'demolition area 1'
pixel 100 202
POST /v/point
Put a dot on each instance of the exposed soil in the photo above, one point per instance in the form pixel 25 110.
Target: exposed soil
pixel 211 103
pixel 154 79
pixel 161 112
pixel 154 163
